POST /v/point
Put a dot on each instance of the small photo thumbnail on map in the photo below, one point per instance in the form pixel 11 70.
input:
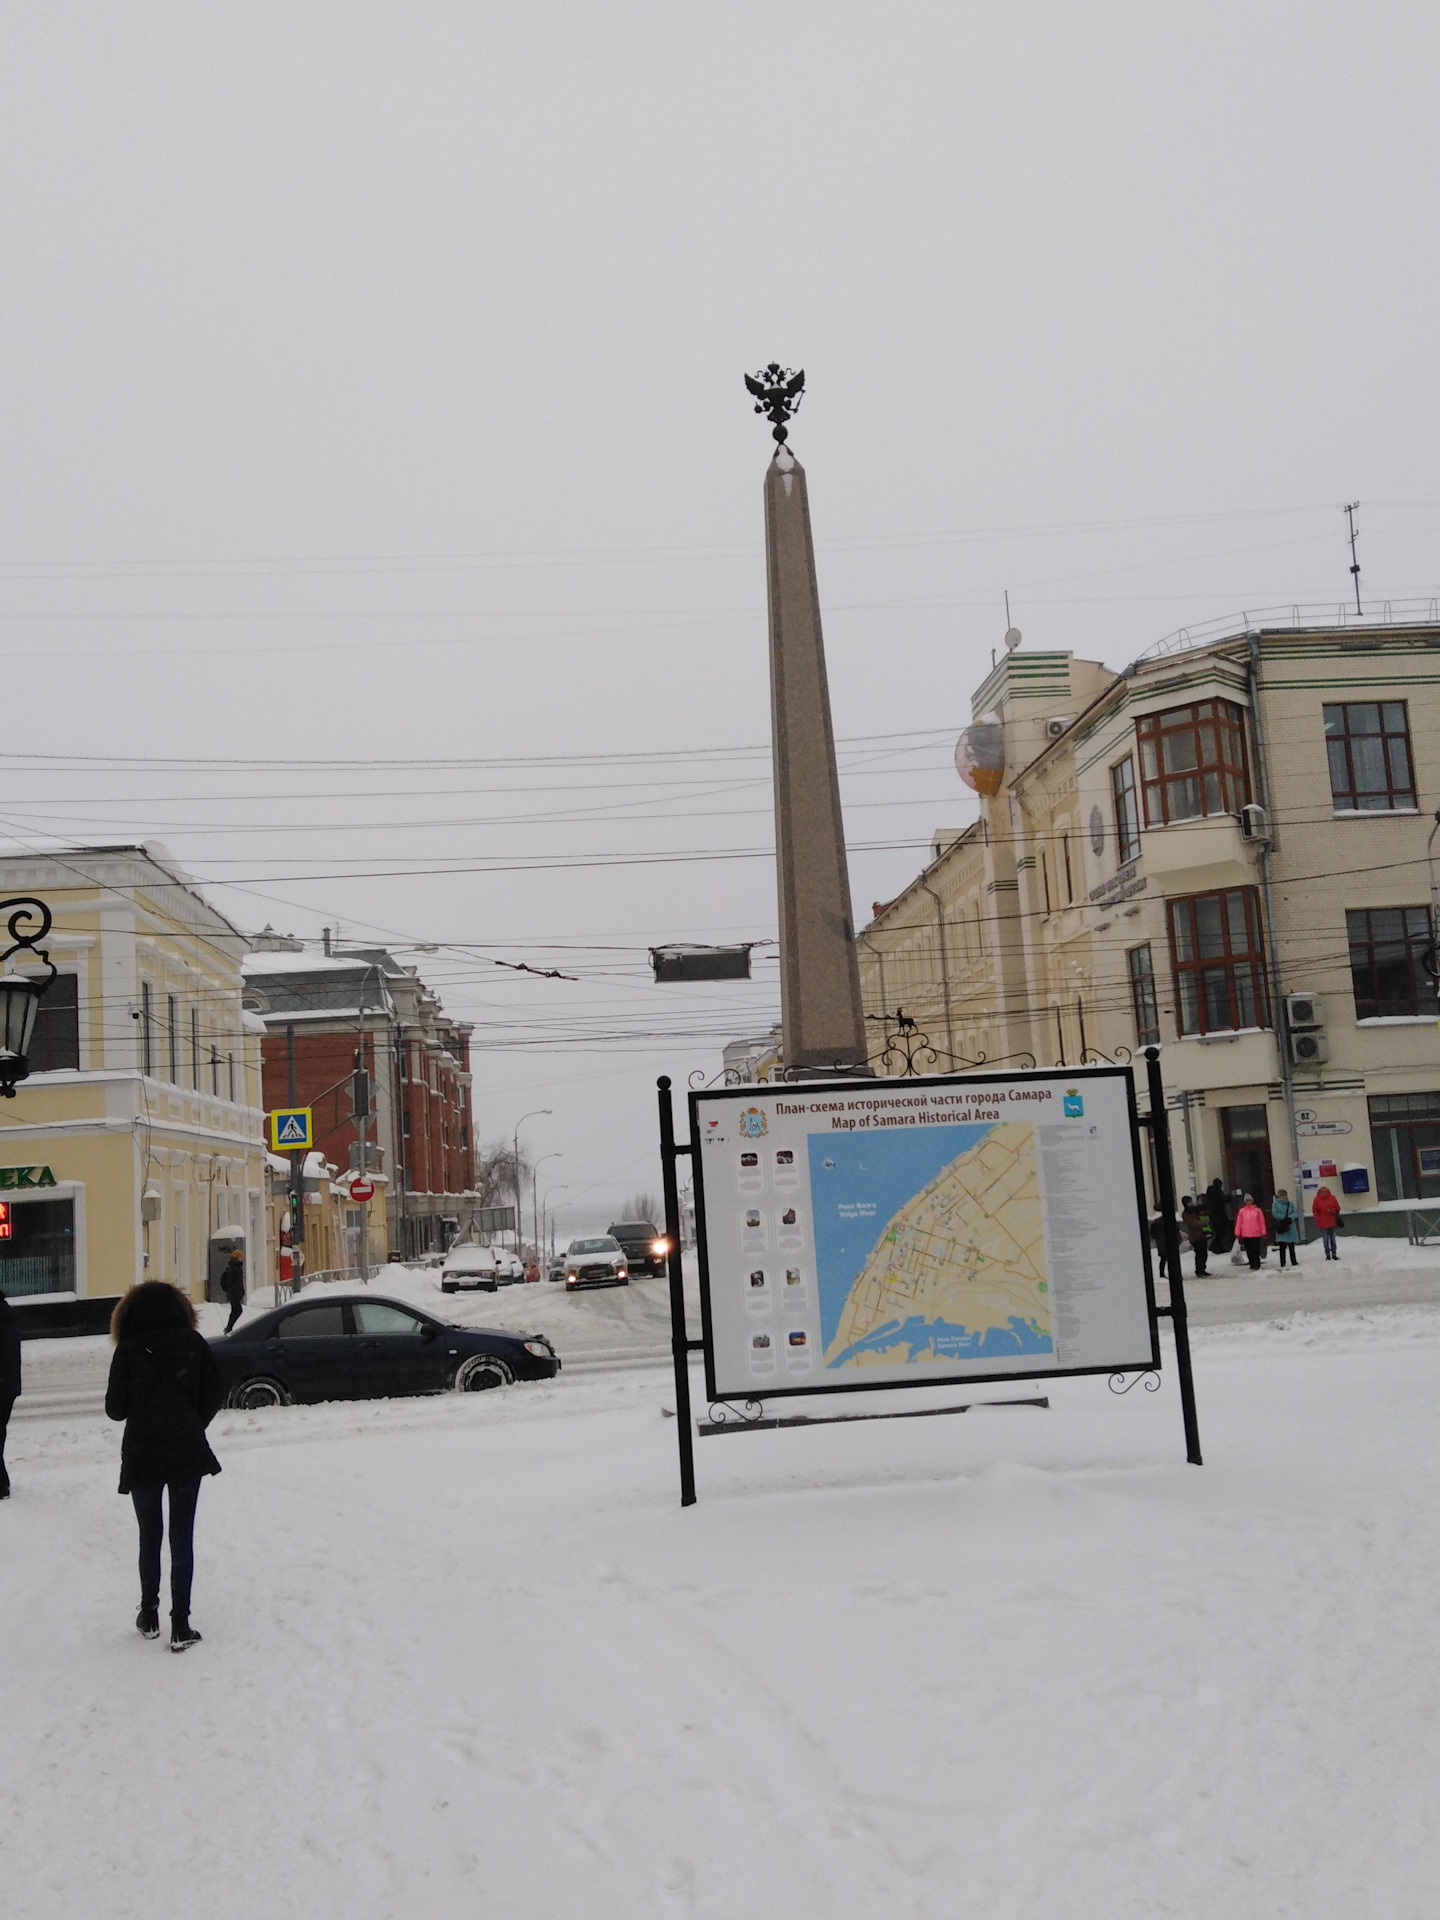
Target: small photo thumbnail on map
pixel 799 1337
pixel 752 1217
pixel 749 1159
pixel 785 1157
pixel 760 1342
pixel 787 1218
pixel 794 1277
pixel 757 1278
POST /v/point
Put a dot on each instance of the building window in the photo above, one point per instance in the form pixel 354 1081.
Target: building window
pixel 1069 875
pixel 1387 945
pixel 55 1042
pixel 172 1036
pixel 147 1027
pixel 1219 961
pixel 1405 1142
pixel 1192 762
pixel 1045 878
pixel 195 1047
pixel 215 1071
pixel 1127 810
pixel 1142 996
pixel 230 1069
pixel 1368 742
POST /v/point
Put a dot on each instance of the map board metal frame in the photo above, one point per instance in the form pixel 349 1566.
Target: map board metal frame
pixel 859 1098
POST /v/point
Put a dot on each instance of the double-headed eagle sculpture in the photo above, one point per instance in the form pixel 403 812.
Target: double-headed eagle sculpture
pixel 778 392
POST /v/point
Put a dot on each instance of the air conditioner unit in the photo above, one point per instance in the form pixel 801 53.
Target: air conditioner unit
pixel 1254 822
pixel 1060 724
pixel 1304 1010
pixel 1309 1049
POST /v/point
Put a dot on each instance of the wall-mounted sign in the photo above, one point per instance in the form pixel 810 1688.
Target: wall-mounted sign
pixel 1322 1126
pixel 12 1177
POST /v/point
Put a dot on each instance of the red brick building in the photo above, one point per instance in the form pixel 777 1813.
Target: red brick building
pixel 323 1012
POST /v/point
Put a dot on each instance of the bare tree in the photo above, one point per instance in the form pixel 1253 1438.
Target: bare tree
pixel 642 1206
pixel 496 1173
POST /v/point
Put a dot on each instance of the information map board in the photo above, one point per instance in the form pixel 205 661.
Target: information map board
pixel 889 1233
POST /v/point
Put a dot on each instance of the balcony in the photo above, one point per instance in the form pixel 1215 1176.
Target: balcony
pixel 1198 856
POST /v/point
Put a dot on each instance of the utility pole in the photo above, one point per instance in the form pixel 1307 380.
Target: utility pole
pixel 519 1196
pixel 297 1169
pixel 1354 562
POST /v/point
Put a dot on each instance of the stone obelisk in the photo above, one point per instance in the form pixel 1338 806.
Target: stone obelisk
pixel 821 1013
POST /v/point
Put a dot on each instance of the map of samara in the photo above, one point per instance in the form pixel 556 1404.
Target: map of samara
pixel 959 1271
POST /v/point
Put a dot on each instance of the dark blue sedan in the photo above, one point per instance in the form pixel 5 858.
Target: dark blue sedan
pixel 365 1347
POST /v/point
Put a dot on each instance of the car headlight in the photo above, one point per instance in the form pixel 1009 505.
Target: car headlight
pixel 621 1271
pixel 659 1248
pixel 542 1348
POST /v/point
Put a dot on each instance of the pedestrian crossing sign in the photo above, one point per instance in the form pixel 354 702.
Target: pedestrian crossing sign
pixel 291 1130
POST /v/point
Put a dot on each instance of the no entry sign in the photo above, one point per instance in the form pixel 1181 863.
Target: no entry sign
pixel 362 1189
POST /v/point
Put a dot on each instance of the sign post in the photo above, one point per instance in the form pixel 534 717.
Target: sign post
pixel 856 1235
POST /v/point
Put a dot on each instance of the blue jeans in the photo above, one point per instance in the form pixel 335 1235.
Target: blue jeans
pixel 1327 1240
pixel 183 1495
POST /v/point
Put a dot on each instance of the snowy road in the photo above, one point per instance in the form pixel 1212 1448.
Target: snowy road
pixel 621 1327
pixel 469 1656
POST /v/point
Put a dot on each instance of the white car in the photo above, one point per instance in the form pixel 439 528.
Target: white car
pixel 509 1266
pixel 598 1261
pixel 470 1266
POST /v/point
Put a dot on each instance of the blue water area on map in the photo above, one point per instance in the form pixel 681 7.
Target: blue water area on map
pixel 948 1342
pixel 858 1183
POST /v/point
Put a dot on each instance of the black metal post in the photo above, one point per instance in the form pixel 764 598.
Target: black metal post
pixel 1165 1183
pixel 679 1337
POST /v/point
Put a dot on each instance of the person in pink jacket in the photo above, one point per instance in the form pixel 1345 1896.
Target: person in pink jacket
pixel 1252 1231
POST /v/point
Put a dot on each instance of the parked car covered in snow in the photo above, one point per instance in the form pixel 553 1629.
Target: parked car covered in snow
pixel 598 1261
pixel 470 1266
pixel 365 1347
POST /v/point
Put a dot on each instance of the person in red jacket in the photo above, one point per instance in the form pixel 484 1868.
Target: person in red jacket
pixel 1252 1230
pixel 1325 1212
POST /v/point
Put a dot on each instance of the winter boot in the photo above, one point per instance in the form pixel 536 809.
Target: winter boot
pixel 147 1622
pixel 182 1634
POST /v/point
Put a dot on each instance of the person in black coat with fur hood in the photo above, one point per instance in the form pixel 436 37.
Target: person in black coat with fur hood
pixel 9 1380
pixel 165 1386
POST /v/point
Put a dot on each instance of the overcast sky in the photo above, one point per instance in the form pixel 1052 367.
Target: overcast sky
pixel 380 502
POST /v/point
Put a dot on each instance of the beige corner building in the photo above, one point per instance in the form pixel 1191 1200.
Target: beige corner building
pixel 134 1149
pixel 1221 851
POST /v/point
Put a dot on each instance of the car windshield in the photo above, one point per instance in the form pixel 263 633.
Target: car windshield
pixel 469 1257
pixel 635 1229
pixel 604 1244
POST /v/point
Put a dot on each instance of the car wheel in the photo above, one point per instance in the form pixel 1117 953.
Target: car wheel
pixel 251 1394
pixel 482 1371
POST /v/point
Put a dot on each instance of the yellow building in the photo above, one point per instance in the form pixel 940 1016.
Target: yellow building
pixel 1221 851
pixel 135 1145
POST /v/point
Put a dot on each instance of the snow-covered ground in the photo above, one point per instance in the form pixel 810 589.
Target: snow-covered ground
pixel 469 1656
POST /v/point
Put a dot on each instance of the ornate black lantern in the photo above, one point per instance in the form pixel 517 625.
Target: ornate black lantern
pixel 20 992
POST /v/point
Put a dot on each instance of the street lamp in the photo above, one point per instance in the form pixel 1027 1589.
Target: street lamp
pixel 563 1187
pixel 535 1194
pixel 20 992
pixel 534 1114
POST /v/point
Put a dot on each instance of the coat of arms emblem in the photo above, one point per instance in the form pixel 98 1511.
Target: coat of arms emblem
pixel 753 1123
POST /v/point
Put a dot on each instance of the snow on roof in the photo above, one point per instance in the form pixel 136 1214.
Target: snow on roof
pixel 256 963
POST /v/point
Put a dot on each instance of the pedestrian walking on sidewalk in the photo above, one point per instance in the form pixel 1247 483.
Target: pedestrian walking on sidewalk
pixel 1286 1217
pixel 9 1380
pixel 1325 1212
pixel 1197 1232
pixel 1218 1215
pixel 1251 1231
pixel 232 1285
pixel 165 1386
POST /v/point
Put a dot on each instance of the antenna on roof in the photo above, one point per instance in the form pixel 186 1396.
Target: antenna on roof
pixel 1354 563
pixel 1012 634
